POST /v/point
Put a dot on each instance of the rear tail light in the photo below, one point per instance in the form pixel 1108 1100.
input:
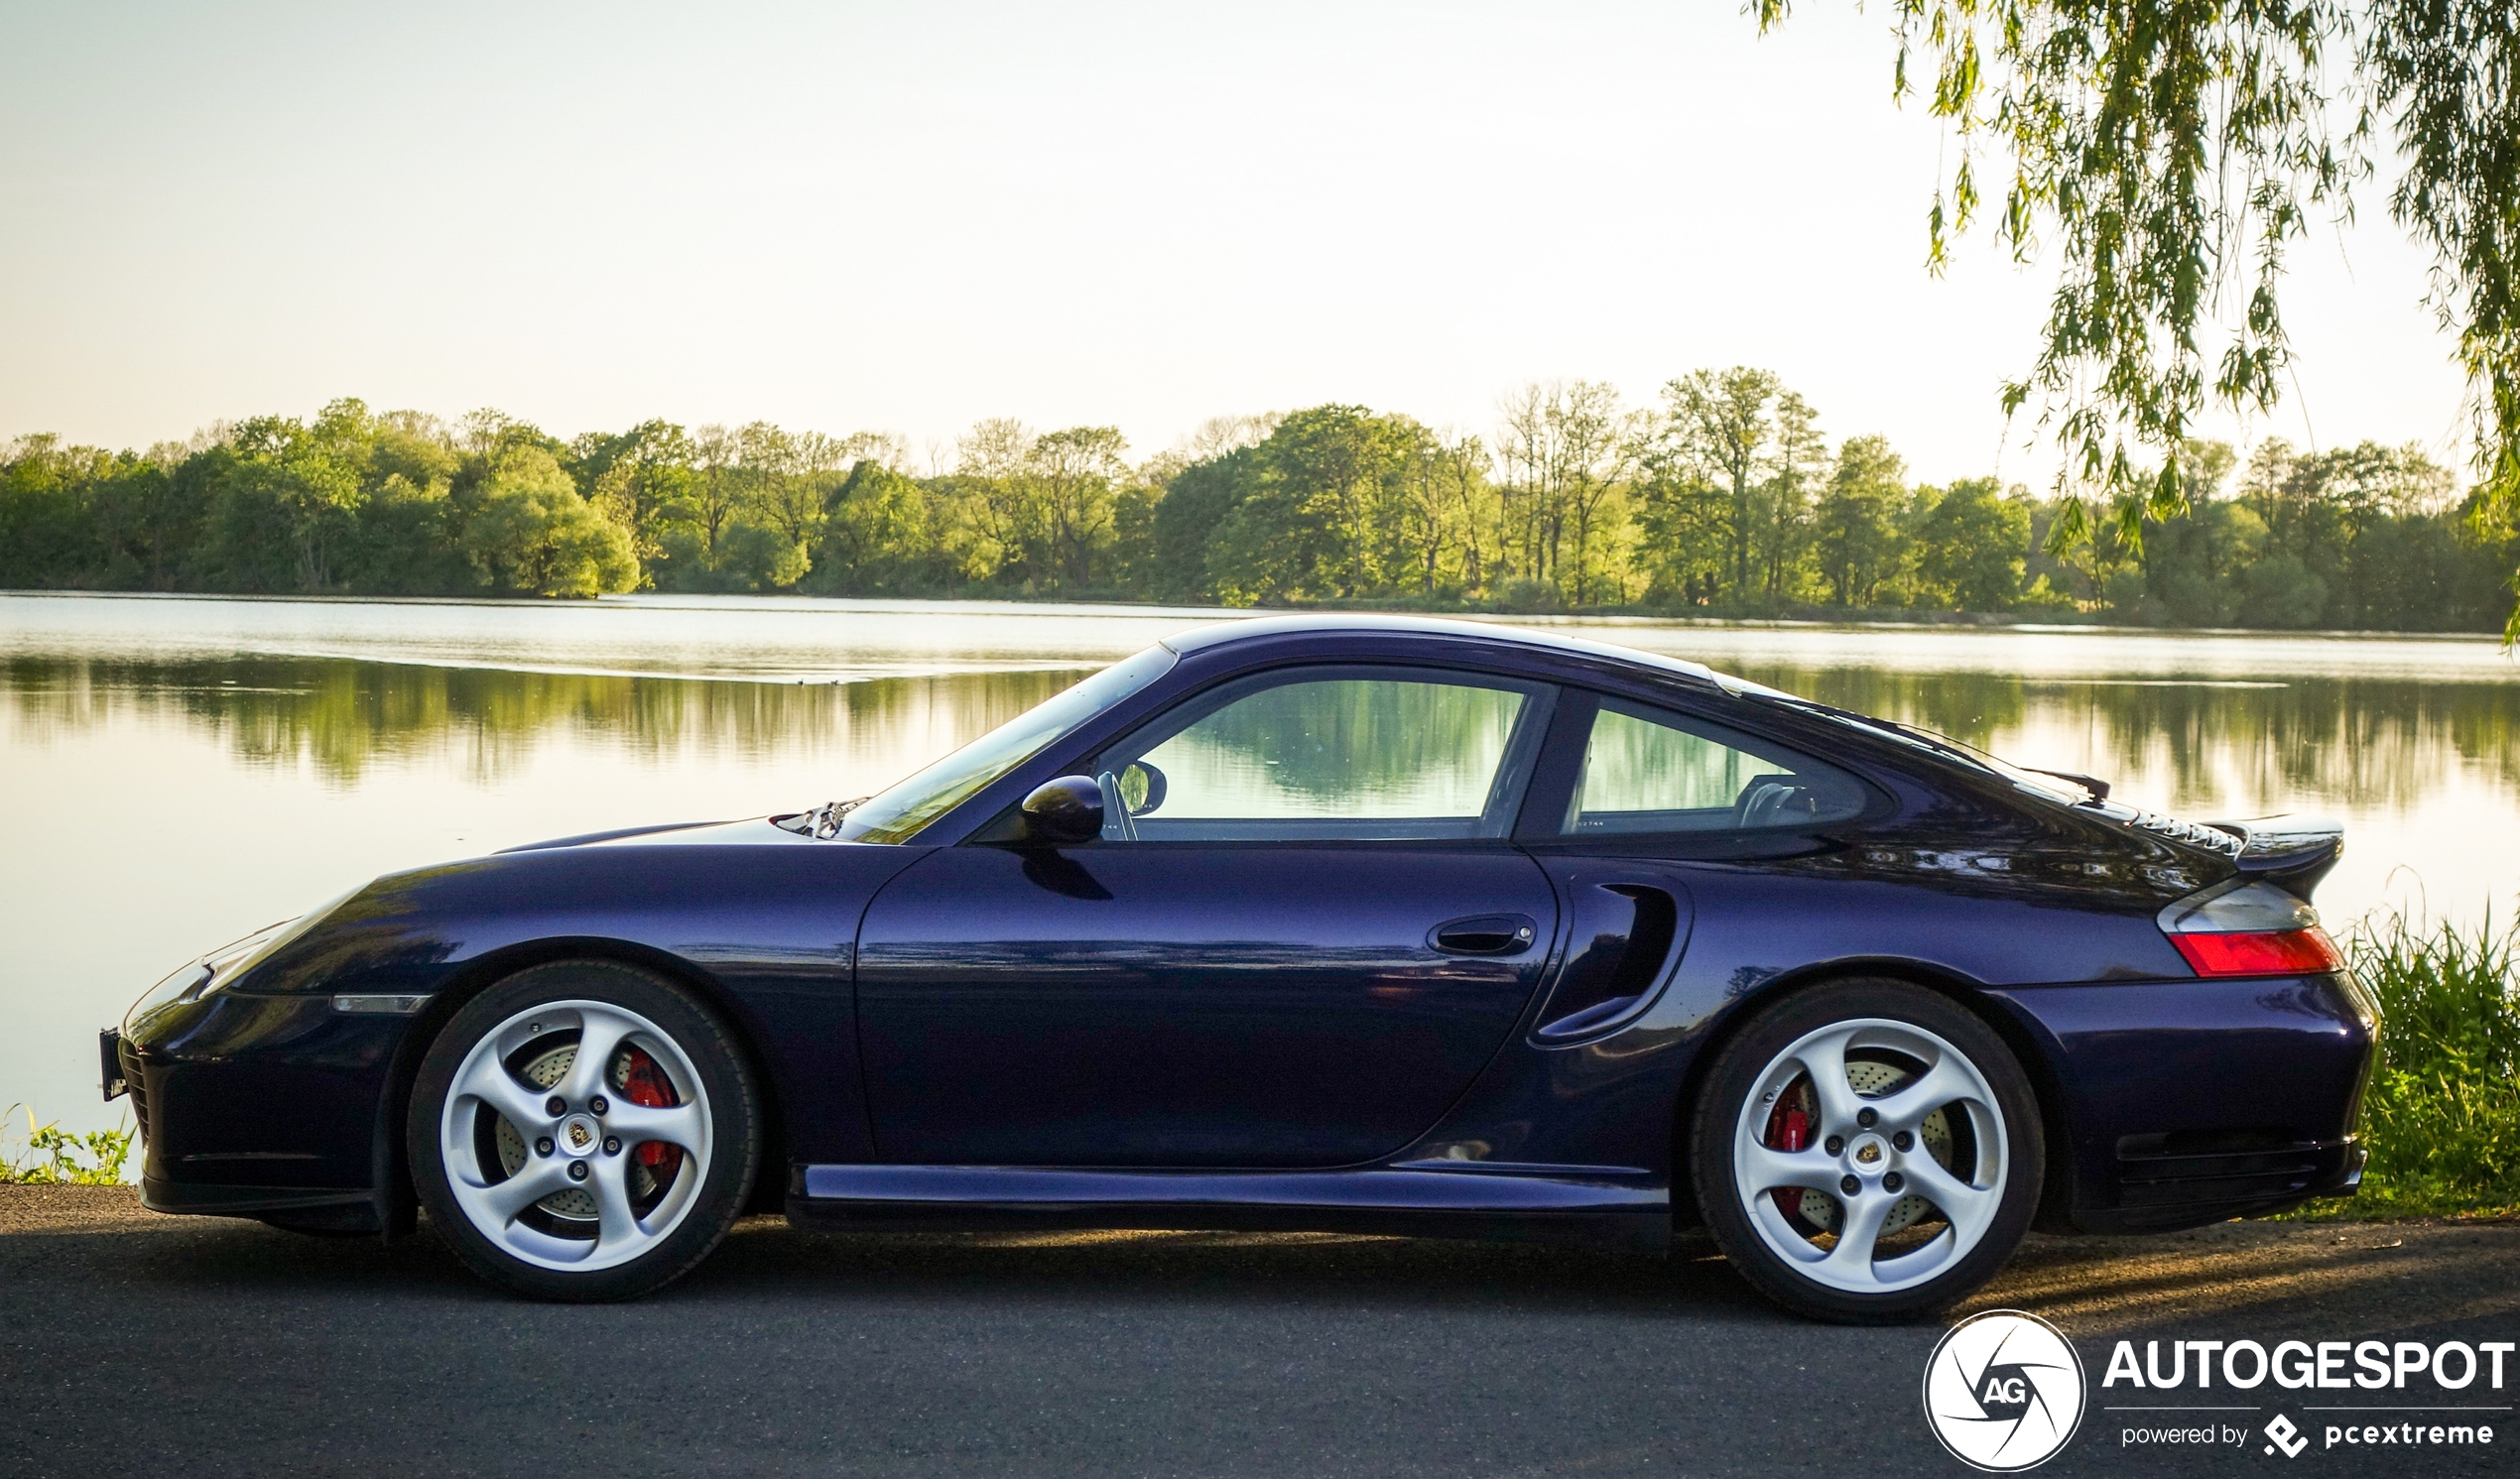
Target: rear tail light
pixel 2297 952
pixel 2254 928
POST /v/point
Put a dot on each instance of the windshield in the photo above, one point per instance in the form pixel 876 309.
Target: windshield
pixel 896 813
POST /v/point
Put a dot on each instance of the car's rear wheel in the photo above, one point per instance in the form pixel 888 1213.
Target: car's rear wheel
pixel 583 1130
pixel 1868 1152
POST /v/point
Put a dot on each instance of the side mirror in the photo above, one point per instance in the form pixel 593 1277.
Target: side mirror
pixel 1065 811
pixel 1142 788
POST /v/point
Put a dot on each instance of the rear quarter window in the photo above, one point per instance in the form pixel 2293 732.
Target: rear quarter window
pixel 1645 770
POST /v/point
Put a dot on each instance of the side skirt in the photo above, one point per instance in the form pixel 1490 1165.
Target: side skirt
pixel 1612 1208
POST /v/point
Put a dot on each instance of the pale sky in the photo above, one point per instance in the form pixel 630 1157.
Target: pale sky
pixel 908 217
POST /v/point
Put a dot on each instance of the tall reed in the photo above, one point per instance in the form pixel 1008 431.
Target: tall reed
pixel 2442 1113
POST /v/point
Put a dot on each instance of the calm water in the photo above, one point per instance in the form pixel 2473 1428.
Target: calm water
pixel 181 771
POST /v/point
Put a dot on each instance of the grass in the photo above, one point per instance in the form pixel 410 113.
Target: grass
pixel 2441 1116
pixel 51 1156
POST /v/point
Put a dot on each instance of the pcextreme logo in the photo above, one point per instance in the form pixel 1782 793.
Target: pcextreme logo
pixel 2281 1433
pixel 2003 1391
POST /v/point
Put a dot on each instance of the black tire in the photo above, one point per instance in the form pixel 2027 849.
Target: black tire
pixel 733 1111
pixel 1745 1062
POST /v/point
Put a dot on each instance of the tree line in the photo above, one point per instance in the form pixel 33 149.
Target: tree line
pixel 1722 497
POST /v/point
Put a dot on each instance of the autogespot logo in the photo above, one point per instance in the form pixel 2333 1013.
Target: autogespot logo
pixel 2003 1391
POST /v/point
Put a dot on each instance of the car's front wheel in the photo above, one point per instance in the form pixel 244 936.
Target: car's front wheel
pixel 1868 1152
pixel 583 1130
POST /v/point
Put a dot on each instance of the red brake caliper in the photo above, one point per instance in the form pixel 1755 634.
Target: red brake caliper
pixel 646 1085
pixel 1789 1129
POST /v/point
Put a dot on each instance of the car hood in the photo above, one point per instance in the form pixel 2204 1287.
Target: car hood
pixel 752 831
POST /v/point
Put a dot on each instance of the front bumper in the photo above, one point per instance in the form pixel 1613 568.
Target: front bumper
pixel 255 1105
pixel 2180 1103
pixel 352 1210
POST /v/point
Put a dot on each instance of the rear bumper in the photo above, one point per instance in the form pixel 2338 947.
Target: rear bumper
pixel 2178 1104
pixel 2162 1192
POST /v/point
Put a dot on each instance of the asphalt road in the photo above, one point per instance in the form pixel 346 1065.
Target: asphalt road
pixel 138 1344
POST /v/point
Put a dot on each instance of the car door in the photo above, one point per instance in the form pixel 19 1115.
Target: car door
pixel 1296 946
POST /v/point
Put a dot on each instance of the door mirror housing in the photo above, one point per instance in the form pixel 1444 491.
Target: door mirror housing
pixel 1142 788
pixel 1063 812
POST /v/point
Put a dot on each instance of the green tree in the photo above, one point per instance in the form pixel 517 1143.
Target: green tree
pixel 1330 464
pixel 1856 525
pixel 47 535
pixel 2193 565
pixel 1568 451
pixel 716 491
pixel 1436 506
pixel 305 481
pixel 2280 590
pixel 1970 546
pixel 991 497
pixel 786 482
pixel 637 478
pixel 533 533
pixel 1131 560
pixel 1718 427
pixel 1197 502
pixel 1683 527
pixel 879 538
pixel 1069 479
pixel 1796 466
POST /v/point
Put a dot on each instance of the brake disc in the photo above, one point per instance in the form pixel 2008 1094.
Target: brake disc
pixel 1873 1080
pixel 575 1205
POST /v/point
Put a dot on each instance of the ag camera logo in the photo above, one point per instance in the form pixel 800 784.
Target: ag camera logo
pixel 2003 1391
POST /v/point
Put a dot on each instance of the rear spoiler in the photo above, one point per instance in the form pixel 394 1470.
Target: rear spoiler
pixel 2294 852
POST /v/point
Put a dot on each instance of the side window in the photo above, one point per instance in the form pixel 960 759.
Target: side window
pixel 1645 771
pixel 1322 754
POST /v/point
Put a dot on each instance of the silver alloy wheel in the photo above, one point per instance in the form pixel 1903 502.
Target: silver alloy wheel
pixel 527 1211
pixel 1943 1083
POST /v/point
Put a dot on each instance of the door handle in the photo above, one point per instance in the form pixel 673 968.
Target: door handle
pixel 1484 935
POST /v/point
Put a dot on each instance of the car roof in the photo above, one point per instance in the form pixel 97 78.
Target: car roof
pixel 1261 629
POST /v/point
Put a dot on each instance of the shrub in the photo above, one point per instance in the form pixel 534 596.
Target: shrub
pixel 1525 596
pixel 59 1151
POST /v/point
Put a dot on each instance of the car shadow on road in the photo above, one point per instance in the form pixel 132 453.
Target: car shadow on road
pixel 1271 1268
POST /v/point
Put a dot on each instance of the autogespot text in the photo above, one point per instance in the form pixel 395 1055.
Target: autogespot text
pixel 2440 1395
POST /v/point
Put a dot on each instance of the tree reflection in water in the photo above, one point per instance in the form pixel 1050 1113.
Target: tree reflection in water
pixel 346 716
pixel 2364 743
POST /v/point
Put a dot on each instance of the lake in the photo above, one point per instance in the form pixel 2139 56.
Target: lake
pixel 179 770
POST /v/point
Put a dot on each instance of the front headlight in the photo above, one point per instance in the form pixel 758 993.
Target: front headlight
pixel 229 964
pixel 226 965
pixel 183 985
pixel 220 966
